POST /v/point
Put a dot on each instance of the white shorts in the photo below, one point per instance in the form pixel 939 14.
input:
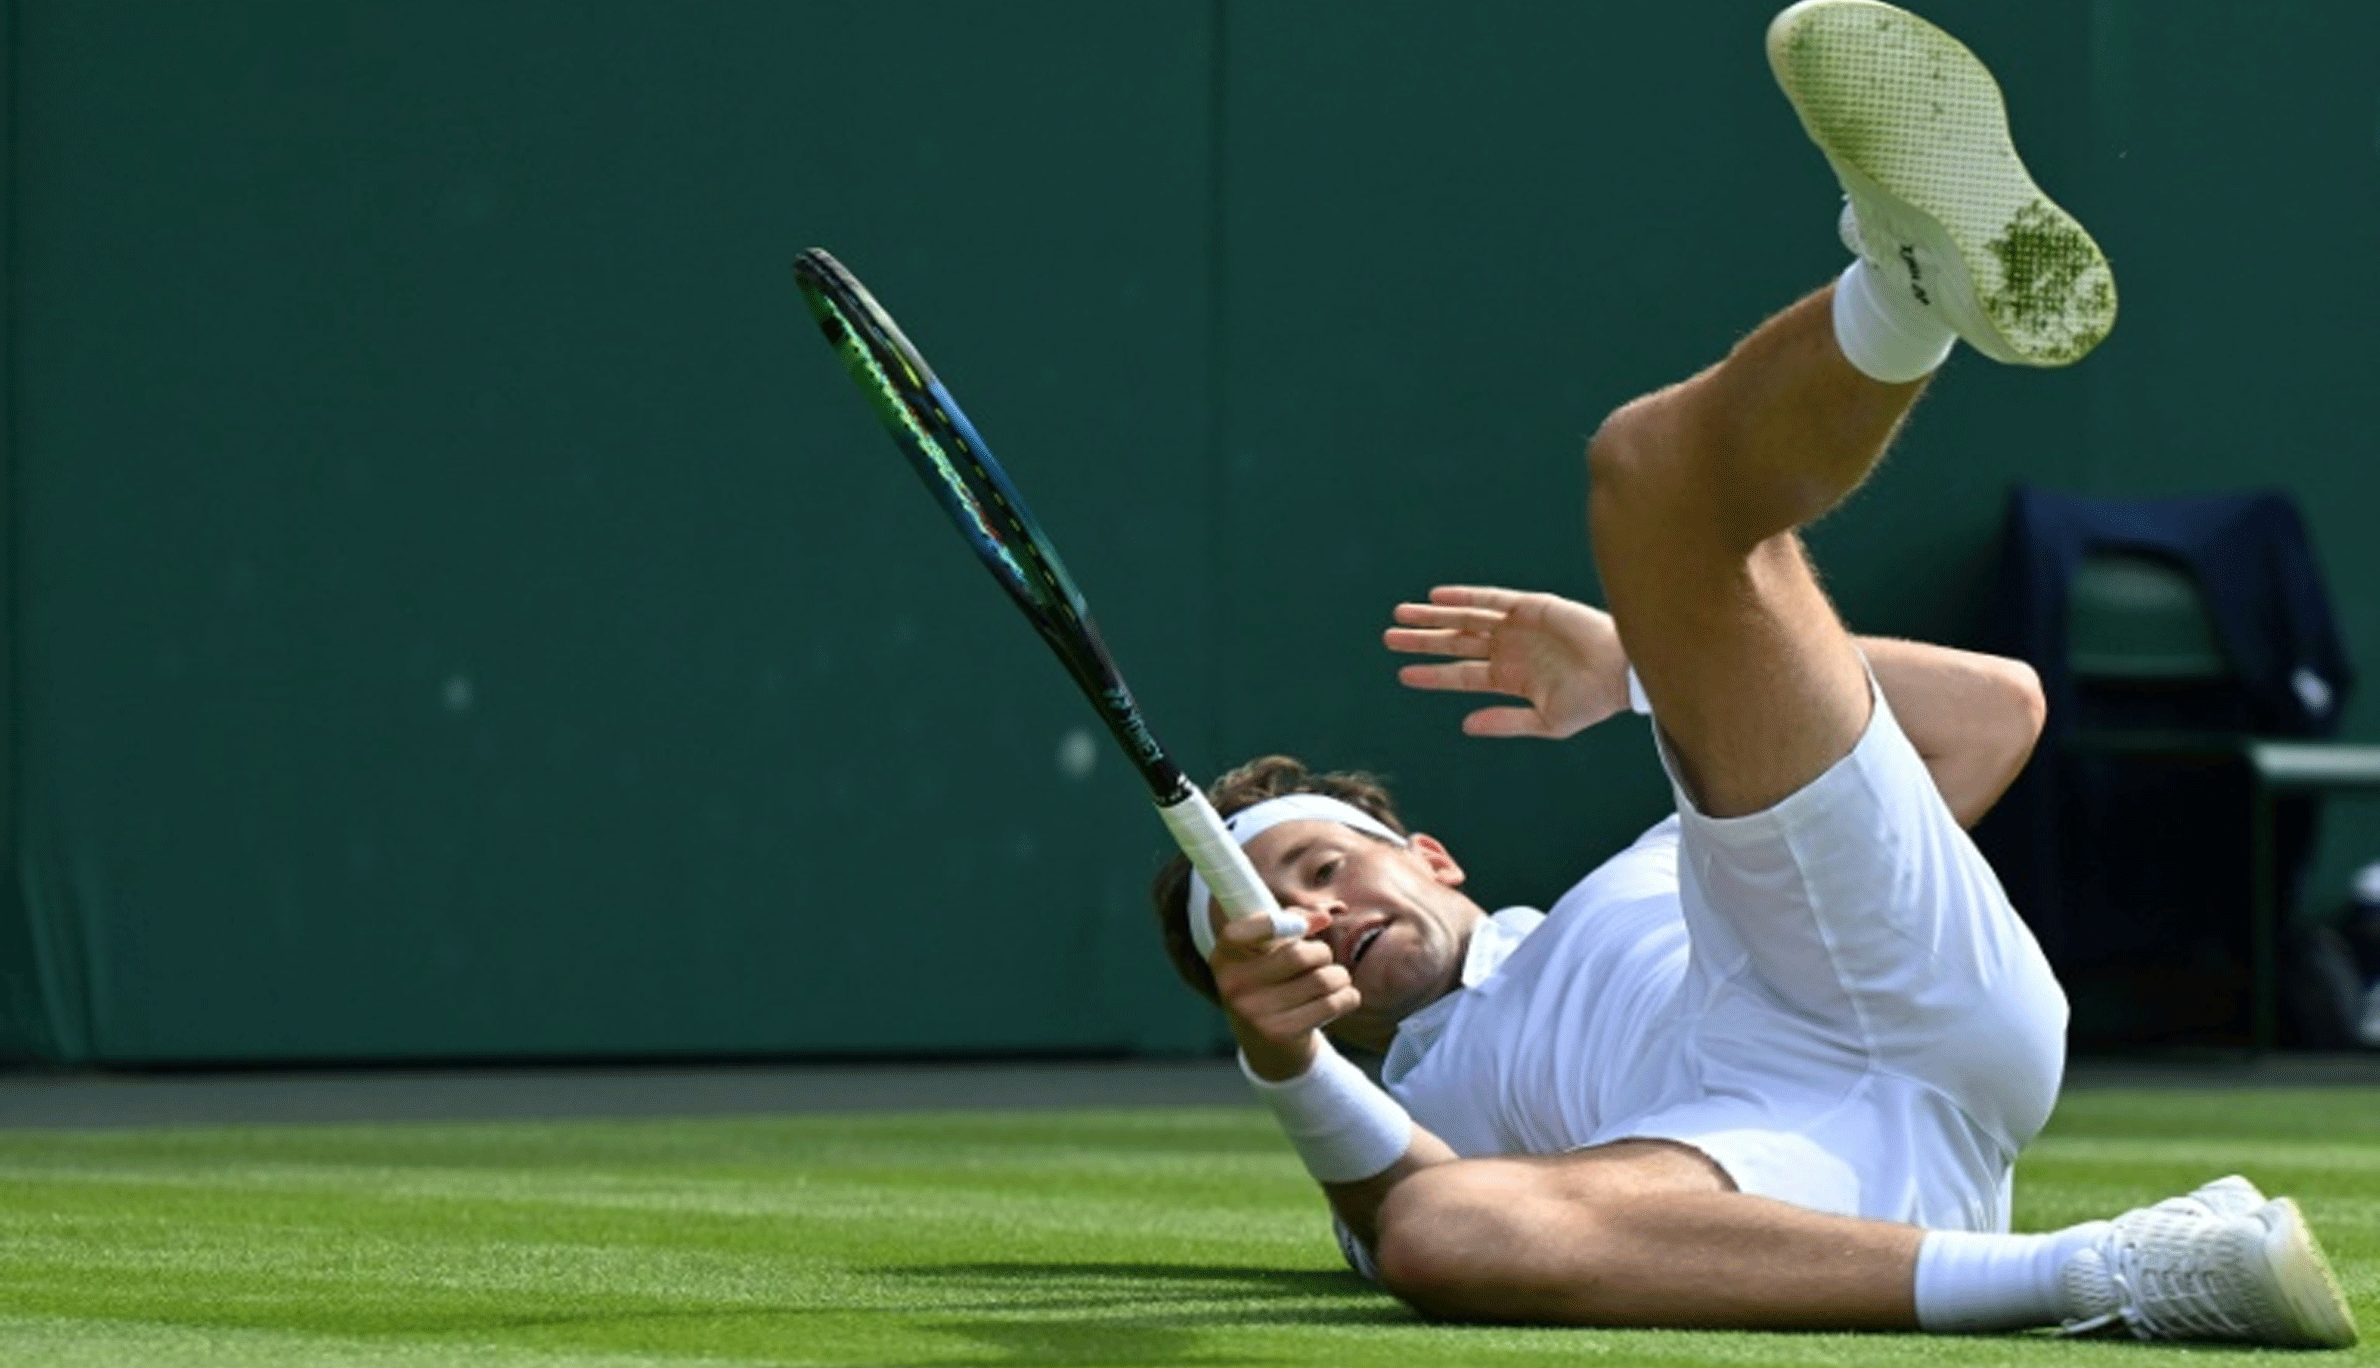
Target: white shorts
pixel 1876 1031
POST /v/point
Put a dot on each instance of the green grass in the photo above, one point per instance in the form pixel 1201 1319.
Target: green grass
pixel 1146 1237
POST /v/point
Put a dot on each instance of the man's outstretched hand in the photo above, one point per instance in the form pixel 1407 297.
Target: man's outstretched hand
pixel 1279 992
pixel 1562 656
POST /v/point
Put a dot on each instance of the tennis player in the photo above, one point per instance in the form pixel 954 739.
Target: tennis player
pixel 1771 1066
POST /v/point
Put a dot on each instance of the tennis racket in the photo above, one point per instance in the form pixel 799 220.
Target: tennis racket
pixel 942 446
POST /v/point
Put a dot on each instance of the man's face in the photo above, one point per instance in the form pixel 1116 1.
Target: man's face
pixel 1399 920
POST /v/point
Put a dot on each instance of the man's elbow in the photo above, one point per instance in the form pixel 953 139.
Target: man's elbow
pixel 2008 723
pixel 2026 707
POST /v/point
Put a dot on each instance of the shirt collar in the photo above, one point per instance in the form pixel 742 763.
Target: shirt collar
pixel 1492 942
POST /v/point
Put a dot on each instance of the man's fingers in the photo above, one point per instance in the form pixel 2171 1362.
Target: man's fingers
pixel 1287 990
pixel 1448 617
pixel 1286 925
pixel 1487 596
pixel 1505 722
pixel 1308 1002
pixel 1432 641
pixel 1322 1011
pixel 1453 676
pixel 1253 935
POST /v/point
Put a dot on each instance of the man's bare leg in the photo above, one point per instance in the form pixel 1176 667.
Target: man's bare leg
pixel 1698 490
pixel 1696 494
pixel 1640 1233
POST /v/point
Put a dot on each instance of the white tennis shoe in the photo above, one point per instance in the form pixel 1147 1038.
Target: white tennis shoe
pixel 2229 1196
pixel 2222 1263
pixel 1941 206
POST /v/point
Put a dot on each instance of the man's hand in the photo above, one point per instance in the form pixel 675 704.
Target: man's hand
pixel 1562 656
pixel 1278 992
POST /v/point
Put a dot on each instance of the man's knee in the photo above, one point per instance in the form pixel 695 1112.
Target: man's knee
pixel 1622 455
pixel 1651 488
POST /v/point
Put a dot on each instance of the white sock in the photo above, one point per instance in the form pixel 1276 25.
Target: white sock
pixel 1887 335
pixel 1969 1283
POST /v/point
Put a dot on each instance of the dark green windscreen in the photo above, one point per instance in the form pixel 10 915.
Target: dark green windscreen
pixel 458 608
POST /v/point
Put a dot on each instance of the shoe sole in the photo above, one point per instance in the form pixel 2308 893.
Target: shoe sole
pixel 2318 1312
pixel 1914 127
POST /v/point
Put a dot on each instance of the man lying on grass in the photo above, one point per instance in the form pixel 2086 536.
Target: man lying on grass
pixel 1772 1065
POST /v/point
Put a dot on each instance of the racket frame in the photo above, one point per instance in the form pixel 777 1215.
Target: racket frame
pixel 957 467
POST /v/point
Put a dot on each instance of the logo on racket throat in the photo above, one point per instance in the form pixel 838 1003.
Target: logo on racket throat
pixel 1117 702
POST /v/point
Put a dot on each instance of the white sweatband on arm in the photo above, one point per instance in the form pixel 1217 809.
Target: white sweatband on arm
pixel 1339 1122
pixel 1638 700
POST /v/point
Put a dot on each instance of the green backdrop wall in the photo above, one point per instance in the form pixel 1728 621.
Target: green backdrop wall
pixel 455 608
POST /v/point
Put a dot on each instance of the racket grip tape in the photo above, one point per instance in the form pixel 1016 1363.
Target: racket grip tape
pixel 1217 857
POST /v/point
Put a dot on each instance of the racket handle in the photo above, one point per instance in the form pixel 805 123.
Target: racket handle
pixel 1200 832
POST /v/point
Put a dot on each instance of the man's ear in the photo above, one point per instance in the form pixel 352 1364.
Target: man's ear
pixel 1435 856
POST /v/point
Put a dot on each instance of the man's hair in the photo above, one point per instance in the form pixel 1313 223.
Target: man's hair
pixel 1268 776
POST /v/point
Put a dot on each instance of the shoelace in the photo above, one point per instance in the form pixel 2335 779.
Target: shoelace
pixel 2155 1298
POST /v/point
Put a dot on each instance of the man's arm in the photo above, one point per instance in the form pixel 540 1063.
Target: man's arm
pixel 1277 994
pixel 1357 1205
pixel 1973 717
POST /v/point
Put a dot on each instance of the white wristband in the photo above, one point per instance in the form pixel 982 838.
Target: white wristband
pixel 1339 1122
pixel 1638 700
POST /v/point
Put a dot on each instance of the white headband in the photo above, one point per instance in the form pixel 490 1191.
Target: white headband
pixel 1256 819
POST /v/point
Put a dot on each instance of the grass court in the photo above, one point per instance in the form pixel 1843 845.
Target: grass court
pixel 1120 1235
